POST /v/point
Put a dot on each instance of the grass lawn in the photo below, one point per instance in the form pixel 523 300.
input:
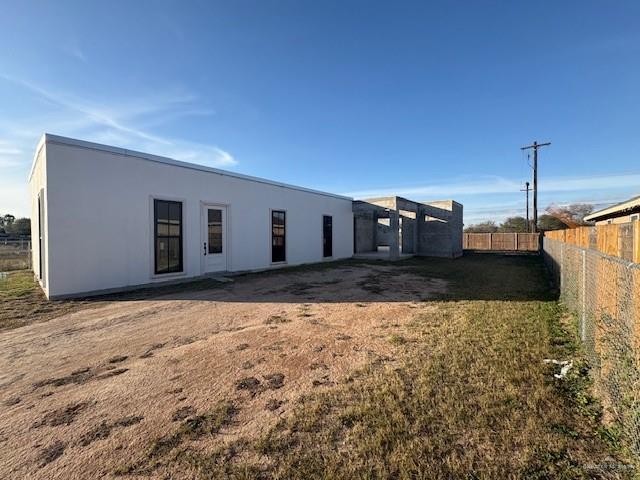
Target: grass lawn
pixel 22 301
pixel 471 399
pixel 16 284
pixel 468 396
pixel 455 385
pixel 12 257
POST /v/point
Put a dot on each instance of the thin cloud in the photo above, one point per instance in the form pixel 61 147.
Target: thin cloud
pixel 14 197
pixel 125 125
pixel 10 154
pixel 499 185
pixel 496 198
pixel 76 52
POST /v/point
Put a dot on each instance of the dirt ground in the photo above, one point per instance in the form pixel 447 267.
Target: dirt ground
pixel 83 395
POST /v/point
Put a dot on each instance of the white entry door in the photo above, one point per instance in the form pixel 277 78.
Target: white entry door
pixel 214 238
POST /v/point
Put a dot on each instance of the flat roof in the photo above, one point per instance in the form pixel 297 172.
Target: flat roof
pixel 429 203
pixel 57 139
pixel 618 208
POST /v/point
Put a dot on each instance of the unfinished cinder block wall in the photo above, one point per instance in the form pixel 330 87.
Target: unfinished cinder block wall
pixel 440 229
pixel 423 228
pixel 365 226
pixel 408 229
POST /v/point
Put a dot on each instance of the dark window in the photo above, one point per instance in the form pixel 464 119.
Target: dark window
pixel 327 236
pixel 215 230
pixel 168 236
pixel 278 246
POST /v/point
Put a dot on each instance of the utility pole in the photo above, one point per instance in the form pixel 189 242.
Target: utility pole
pixel 527 189
pixel 535 148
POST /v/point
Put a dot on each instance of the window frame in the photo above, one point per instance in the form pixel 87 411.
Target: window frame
pixel 180 268
pixel 284 236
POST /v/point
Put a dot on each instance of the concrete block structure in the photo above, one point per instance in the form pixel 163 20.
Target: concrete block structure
pixel 393 227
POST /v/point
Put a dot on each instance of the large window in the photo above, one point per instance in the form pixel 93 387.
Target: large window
pixel 278 245
pixel 168 236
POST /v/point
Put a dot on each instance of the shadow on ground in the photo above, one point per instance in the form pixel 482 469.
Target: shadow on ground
pixel 472 277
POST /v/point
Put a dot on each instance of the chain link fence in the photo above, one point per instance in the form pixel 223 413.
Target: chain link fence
pixel 15 254
pixel 604 293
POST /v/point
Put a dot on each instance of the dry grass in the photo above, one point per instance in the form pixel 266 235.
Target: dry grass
pixel 167 448
pixel 16 285
pixel 13 258
pixel 22 302
pixel 468 397
pixel 421 369
pixel 472 399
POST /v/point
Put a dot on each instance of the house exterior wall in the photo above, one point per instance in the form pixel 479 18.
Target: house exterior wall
pixel 100 219
pixel 631 217
pixel 37 189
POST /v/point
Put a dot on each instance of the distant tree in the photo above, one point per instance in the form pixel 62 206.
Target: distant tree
pixel 484 227
pixel 550 222
pixel 513 225
pixel 7 219
pixel 571 215
pixel 19 228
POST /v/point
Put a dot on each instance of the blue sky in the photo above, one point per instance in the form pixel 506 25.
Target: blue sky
pixel 429 100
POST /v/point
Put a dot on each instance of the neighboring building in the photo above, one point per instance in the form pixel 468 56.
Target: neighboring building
pixel 627 211
pixel 404 227
pixel 107 219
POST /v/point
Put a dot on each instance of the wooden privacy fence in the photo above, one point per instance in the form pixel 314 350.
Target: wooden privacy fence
pixel 502 242
pixel 620 240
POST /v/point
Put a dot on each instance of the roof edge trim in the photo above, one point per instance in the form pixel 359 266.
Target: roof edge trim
pixel 49 138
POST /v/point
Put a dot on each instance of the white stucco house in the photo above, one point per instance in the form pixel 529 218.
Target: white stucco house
pixel 107 219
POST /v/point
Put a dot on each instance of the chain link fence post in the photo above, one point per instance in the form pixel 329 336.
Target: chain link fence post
pixel 604 294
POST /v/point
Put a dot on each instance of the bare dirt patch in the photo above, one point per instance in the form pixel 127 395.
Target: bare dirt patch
pixel 171 357
pixel 194 383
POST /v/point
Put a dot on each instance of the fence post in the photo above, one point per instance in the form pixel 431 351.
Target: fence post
pixel 636 241
pixel 562 245
pixel 516 240
pixel 619 238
